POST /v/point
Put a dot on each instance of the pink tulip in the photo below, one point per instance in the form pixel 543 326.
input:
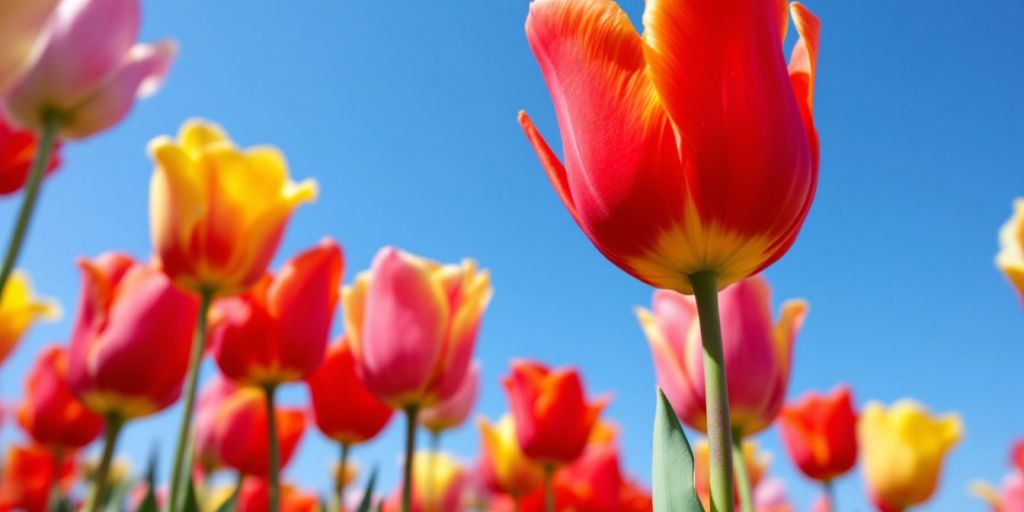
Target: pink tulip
pixel 412 324
pixel 771 496
pixel 91 70
pixel 757 353
pixel 452 412
pixel 22 30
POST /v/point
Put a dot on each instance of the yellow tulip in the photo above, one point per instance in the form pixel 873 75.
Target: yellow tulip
pixel 505 468
pixel 19 309
pixel 1011 247
pixel 217 213
pixel 902 450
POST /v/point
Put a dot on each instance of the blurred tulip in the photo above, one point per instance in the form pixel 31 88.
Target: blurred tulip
pixel 758 354
pixel 343 408
pixel 131 339
pixel 1017 455
pixel 820 432
pixel 902 449
pixel 23 29
pixel 19 309
pixel 255 497
pixel 277 331
pixel 241 432
pixel 504 466
pixel 17 150
pixel 454 410
pixel 87 78
pixel 553 418
pixel 756 466
pixel 771 496
pixel 209 418
pixel 1011 247
pixel 1008 499
pixel 438 482
pixel 412 324
pixel 50 412
pixel 669 175
pixel 29 474
pixel 217 213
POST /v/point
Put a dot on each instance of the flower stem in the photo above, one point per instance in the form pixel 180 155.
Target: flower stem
pixel 54 495
pixel 99 486
pixel 742 478
pixel 410 448
pixel 830 495
pixel 181 455
pixel 273 476
pixel 44 152
pixel 339 480
pixel 549 487
pixel 435 450
pixel 705 291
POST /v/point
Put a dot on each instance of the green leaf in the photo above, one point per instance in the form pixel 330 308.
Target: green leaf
pixel 231 504
pixel 366 504
pixel 149 503
pixel 191 503
pixel 672 469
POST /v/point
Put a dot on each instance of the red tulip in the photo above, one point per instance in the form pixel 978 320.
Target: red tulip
pixel 131 339
pixel 689 149
pixel 241 431
pixel 344 409
pixel 255 497
pixel 17 150
pixel 28 476
pixel 820 432
pixel 552 417
pixel 1017 455
pixel 208 419
pixel 50 412
pixel 277 332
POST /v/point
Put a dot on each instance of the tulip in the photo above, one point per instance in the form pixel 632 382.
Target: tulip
pixel 50 412
pixel 17 149
pixel 129 345
pixel 19 309
pixel 1017 455
pixel 255 492
pixel 691 152
pixel 343 408
pixel 30 474
pixel 902 449
pixel 755 464
pixel 1008 499
pixel 505 468
pixel 23 28
pixel 771 496
pixel 412 324
pixel 437 485
pixel 454 410
pixel 1011 253
pixel 209 418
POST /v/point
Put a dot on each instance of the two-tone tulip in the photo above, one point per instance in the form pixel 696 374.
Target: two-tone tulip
pixel 50 412
pixel 17 150
pixel 453 411
pixel 820 433
pixel 19 309
pixel 277 332
pixel 1011 247
pixel 86 80
pixel 553 418
pixel 902 449
pixel 217 212
pixel 758 353
pixel 505 467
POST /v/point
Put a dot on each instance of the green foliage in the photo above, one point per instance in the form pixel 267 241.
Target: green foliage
pixel 672 470
pixel 366 504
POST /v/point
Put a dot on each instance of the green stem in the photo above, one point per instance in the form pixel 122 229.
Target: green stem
pixel 549 487
pixel 435 450
pixel 742 478
pixel 705 291
pixel 181 455
pixel 99 486
pixel 54 496
pixel 274 475
pixel 410 448
pixel 830 495
pixel 44 151
pixel 339 480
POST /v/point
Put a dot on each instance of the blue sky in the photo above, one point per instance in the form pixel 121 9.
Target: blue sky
pixel 405 114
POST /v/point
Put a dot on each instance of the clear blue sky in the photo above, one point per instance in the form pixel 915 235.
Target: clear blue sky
pixel 406 114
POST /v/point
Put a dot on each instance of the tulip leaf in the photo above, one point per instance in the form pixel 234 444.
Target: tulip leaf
pixel 149 503
pixel 191 503
pixel 366 504
pixel 672 463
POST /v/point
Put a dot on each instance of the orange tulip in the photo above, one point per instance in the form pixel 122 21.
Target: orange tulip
pixel 217 212
pixel 19 309
pixel 241 431
pixel 820 432
pixel 277 332
pixel 17 149
pixel 412 324
pixel 131 339
pixel 344 409
pixel 689 149
pixel 504 466
pixel 50 412
pixel 28 476
pixel 553 419
pixel 1011 247
pixel 756 464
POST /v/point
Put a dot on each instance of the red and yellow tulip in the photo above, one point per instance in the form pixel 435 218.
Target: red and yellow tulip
pixel 820 432
pixel 505 468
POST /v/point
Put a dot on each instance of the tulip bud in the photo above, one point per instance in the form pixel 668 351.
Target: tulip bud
pixel 820 433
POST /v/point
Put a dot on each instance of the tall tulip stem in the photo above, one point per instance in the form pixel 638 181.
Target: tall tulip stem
pixel 111 431
pixel 410 448
pixel 339 480
pixel 742 477
pixel 274 475
pixel 705 291
pixel 435 450
pixel 181 455
pixel 44 153
pixel 549 487
pixel 54 495
pixel 830 495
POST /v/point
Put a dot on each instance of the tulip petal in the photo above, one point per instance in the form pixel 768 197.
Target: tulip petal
pixel 552 165
pixel 794 312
